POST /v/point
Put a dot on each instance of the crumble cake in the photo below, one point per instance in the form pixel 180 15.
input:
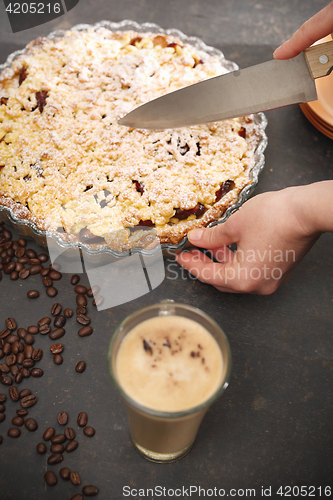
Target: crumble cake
pixel 67 166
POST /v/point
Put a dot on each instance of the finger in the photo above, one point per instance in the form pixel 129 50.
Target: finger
pixel 317 27
pixel 215 237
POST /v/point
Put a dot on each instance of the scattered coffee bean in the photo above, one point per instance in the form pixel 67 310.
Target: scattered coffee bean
pixel 14 276
pixel 36 372
pixel 43 257
pixel 28 339
pixel 4 333
pixel 58 439
pixel 51 291
pixel 81 300
pixel 19 252
pixel 21 332
pixel 23 274
pixel 31 424
pixel 75 279
pixel 33 294
pixel 56 348
pixel 83 320
pixel 69 433
pixel 71 446
pixel 28 401
pixel 10 267
pixel 35 269
pixel 11 324
pixel 37 354
pixel 98 300
pixel 59 321
pixel 17 421
pixel 12 338
pixel 21 413
pixel 48 434
pixel 47 281
pixel 57 448
pixel 2 408
pixel 6 379
pixel 58 359
pixel 56 309
pixel 57 334
pixel 28 363
pixel 18 378
pixel 81 310
pixel 93 291
pixel 33 330
pixel 50 478
pixel 11 360
pixel 44 329
pixel 14 432
pixel 2 417
pixel 28 350
pixel 82 419
pixel 44 272
pixel 80 366
pixel 24 393
pixel 31 253
pixel 65 473
pixel 25 372
pixel 85 331
pixel 44 321
pixel 68 313
pixel 80 289
pixel 62 418
pixel 41 448
pixel 90 490
pixel 77 497
pixel 14 393
pixel 75 478
pixel 55 458
pixel 55 275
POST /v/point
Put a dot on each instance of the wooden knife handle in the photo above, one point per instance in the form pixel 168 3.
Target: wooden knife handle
pixel 320 59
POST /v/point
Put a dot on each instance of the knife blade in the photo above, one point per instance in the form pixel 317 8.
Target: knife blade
pixel 265 86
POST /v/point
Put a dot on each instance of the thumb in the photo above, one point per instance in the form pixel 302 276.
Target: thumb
pixel 214 237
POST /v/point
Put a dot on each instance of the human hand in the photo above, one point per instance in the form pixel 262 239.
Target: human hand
pixel 271 239
pixel 317 27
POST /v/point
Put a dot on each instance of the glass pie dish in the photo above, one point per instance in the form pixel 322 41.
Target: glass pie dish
pixel 29 228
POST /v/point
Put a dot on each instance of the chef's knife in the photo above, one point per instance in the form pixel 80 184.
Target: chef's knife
pixel 262 87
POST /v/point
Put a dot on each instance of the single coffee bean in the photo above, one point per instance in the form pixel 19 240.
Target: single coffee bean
pixel 71 446
pixel 6 380
pixel 82 419
pixel 50 478
pixel 19 267
pixel 5 260
pixel 34 261
pixel 36 372
pixel 59 321
pixel 14 432
pixel 83 320
pixel 25 372
pixel 37 354
pixel 16 347
pixel 22 242
pixel 4 333
pixel 11 360
pixel 4 368
pixel 14 393
pixel 7 348
pixel 28 401
pixel 41 448
pixel 21 332
pixel 19 252
pixel 23 260
pixel 80 289
pixel 93 291
pixel 68 313
pixel 17 421
pixel 90 490
pixel 48 434
pixel 35 269
pixel 57 448
pixel 58 359
pixel 51 291
pixel 43 257
pixel 14 370
pixel 58 439
pixel 57 334
pixel 81 300
pixel 44 321
pixel 11 324
pixel 31 424
pixel 28 350
pixel 47 281
pixel 33 294
pixel 44 272
pixel 23 274
pixel 44 329
pixel 31 253
pixel 65 473
pixel 33 330
pixel 2 417
pixel 56 309
pixel 69 433
pixel 14 276
pixel 12 338
pixel 18 378
pixel 9 267
pixel 56 348
pixel 62 418
pixel 75 279
pixel 28 363
pixel 2 408
pixel 21 413
pixel 81 310
pixel 24 393
pixel 77 497
pixel 55 458
pixel 28 339
pixel 85 331
pixel 80 367
pixel 55 275
pixel 75 478
pixel 98 300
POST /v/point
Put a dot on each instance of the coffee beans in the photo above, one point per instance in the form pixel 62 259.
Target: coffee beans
pixel 50 478
pixel 48 434
pixel 18 421
pixel 80 367
pixel 57 334
pixel 55 458
pixel 71 446
pixel 77 497
pixel 14 393
pixel 31 424
pixel 37 354
pixel 58 359
pixel 24 393
pixel 23 274
pixel 75 478
pixel 57 448
pixel 80 289
pixel 90 491
pixel 41 448
pixel 56 309
pixel 81 300
pixel 82 419
pixel 89 431
pixel 82 319
pixel 75 279
pixel 51 291
pixel 85 331
pixel 14 432
pixel 68 312
pixel 65 473
pixel 59 321
pixel 37 372
pixel 56 348
pixel 58 439
pixel 11 324
pixel 28 401
pixel 33 294
pixel 69 433
pixel 62 418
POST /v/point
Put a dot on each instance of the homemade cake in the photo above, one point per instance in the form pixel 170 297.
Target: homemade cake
pixel 67 166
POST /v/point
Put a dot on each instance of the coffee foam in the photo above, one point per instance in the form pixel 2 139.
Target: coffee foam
pixel 169 363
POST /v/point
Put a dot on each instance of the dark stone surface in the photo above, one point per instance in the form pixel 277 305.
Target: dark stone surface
pixel 273 426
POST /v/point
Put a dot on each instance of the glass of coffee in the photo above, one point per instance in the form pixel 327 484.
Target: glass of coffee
pixel 169 362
